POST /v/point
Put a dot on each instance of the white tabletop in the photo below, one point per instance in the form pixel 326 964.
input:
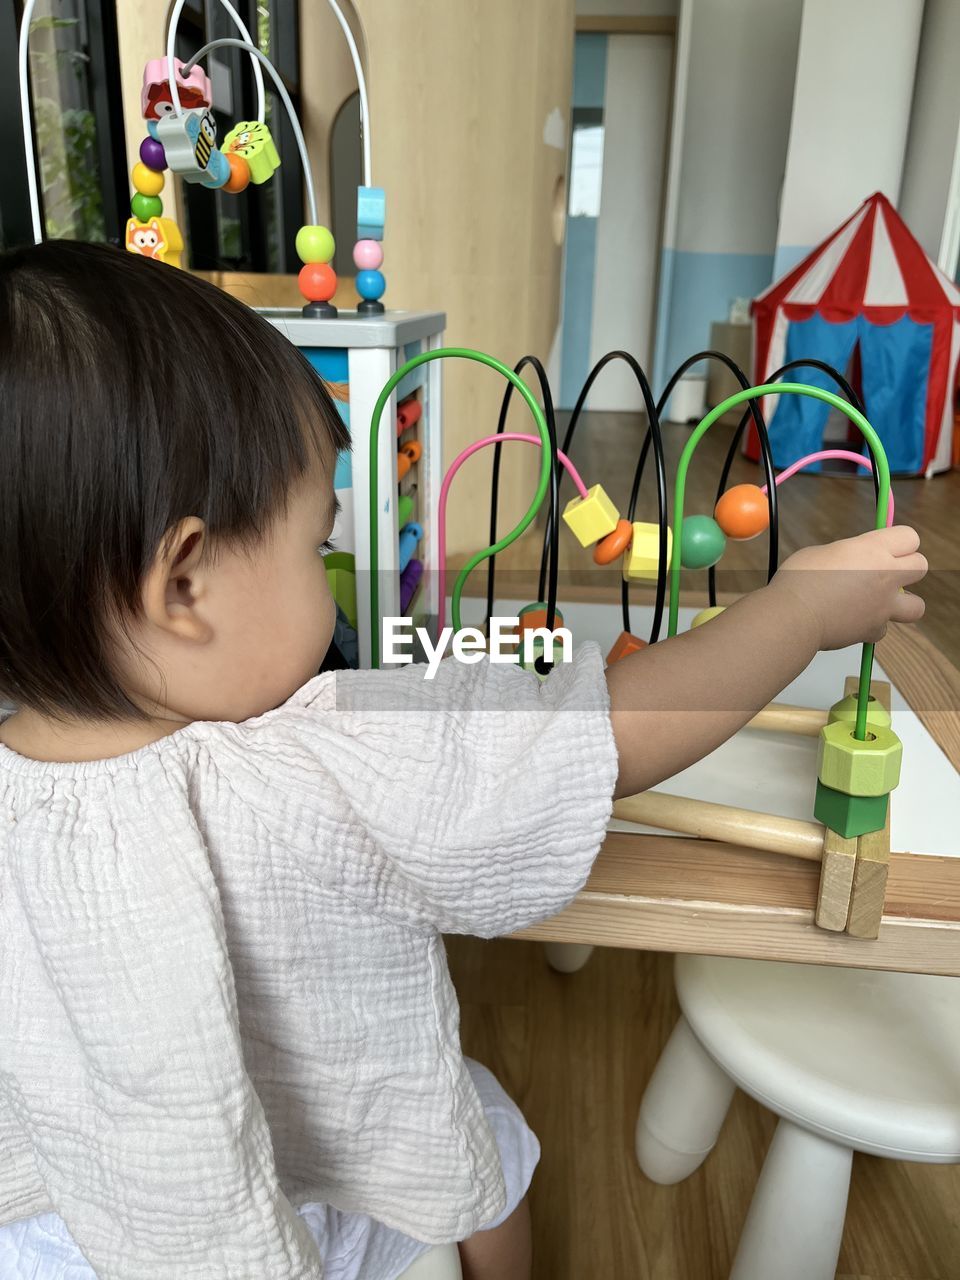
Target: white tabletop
pixel 776 773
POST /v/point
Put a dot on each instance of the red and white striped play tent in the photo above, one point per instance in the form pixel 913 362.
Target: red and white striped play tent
pixel 871 303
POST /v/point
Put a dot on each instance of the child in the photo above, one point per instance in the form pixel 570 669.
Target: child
pixel 228 1040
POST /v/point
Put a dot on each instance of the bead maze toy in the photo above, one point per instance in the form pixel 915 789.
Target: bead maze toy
pixel 859 754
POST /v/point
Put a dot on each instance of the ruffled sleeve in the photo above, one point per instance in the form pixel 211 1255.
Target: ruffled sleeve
pixel 479 798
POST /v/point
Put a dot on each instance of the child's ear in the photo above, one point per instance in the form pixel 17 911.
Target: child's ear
pixel 174 584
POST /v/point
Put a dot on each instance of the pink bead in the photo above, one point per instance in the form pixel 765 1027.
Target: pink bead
pixel 368 254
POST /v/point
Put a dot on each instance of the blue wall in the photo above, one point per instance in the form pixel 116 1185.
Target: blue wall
pixel 696 289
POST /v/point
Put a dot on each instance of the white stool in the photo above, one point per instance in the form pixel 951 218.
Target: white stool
pixel 849 1059
pixel 441 1263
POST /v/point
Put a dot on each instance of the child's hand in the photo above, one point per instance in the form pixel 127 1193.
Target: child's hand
pixel 852 588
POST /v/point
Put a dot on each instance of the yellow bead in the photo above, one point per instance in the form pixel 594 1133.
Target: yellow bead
pixel 846 711
pixel 870 768
pixel 706 614
pixel 147 181
pixel 642 557
pixel 591 518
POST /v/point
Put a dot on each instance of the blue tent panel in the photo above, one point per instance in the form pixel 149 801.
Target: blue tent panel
pixel 895 363
pixel 796 428
pixel 896 366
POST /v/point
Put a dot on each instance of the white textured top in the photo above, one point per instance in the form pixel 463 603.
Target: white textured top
pixel 223 991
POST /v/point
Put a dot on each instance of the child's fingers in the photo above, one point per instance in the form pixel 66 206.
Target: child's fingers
pixel 912 568
pixel 907 608
pixel 901 539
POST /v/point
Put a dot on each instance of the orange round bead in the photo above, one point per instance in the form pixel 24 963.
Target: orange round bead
pixel 742 512
pixel 318 281
pixel 614 544
pixel 239 178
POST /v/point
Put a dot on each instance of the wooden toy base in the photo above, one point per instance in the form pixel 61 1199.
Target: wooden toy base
pixel 673 893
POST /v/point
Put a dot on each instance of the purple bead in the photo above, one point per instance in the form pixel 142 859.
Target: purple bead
pixel 152 154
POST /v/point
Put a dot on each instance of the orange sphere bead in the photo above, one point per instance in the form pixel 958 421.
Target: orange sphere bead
pixel 318 281
pixel 614 544
pixel 239 178
pixel 742 512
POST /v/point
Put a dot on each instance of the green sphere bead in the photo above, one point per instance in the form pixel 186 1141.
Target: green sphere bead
pixel 702 542
pixel 314 244
pixel 146 207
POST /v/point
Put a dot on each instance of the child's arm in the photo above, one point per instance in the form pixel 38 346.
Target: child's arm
pixel 673 703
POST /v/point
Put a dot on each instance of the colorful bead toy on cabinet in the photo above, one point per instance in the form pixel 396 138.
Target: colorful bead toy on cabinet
pixel 368 252
pixel 190 146
pixel 182 136
pixel 318 280
pixel 251 141
pixel 156 100
pixel 159 238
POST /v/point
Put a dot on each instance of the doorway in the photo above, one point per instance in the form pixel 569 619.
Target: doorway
pixel 619 137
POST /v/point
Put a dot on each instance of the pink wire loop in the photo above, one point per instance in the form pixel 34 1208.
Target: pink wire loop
pixel 827 455
pixel 455 466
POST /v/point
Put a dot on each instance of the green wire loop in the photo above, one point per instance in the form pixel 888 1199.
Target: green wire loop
pixel 543 482
pixel 883 498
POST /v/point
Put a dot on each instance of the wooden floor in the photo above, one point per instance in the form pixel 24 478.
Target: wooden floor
pixel 575 1051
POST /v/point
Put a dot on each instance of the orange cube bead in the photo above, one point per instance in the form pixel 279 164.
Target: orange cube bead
pixel 625 643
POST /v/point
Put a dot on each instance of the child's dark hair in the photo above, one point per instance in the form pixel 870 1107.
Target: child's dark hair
pixel 132 395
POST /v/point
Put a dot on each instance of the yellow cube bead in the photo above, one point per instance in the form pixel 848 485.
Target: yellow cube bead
pixel 642 557
pixel 846 711
pixel 869 768
pixel 591 518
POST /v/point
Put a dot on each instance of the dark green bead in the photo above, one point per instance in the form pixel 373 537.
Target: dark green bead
pixel 849 816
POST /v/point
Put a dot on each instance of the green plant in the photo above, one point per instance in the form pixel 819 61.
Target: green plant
pixel 66 138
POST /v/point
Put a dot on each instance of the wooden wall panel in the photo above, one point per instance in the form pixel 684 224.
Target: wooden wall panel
pixel 460 94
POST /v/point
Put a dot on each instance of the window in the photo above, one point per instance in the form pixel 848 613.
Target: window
pixel 77 118
pixel 586 162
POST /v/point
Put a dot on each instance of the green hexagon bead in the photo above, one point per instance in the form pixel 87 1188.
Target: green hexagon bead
pixel 846 711
pixel 849 816
pixel 870 768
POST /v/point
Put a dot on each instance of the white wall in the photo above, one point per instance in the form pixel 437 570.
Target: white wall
pixel 851 110
pixel 636 113
pixel 736 123
pixel 931 166
pixel 732 101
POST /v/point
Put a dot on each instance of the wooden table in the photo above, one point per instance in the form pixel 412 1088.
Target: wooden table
pixel 670 893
